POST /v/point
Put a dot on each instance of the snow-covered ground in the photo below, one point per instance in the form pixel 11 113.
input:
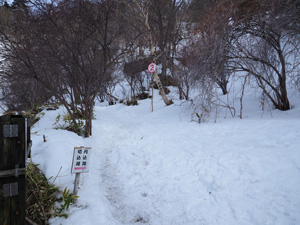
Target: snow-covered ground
pixel 160 168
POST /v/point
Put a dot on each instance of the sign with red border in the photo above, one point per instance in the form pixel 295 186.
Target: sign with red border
pixel 152 67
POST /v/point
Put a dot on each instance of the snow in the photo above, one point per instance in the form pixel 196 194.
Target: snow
pixel 161 168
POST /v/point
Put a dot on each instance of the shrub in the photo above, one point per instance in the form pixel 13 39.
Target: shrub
pixel 68 124
pixel 41 204
pixel 128 102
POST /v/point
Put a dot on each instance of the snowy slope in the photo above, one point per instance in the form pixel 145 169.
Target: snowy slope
pixel 159 168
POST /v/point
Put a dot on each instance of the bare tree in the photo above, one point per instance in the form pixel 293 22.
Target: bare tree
pixel 140 13
pixel 248 36
pixel 198 8
pixel 133 71
pixel 288 12
pixel 69 47
pixel 263 48
pixel 207 52
pixel 166 21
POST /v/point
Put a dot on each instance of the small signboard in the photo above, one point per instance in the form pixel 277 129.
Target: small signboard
pixel 81 160
pixel 152 67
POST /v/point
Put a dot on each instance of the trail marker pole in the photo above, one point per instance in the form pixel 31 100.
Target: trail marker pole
pixel 152 69
pixel 152 94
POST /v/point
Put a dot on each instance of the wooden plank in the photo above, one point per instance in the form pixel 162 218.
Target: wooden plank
pixel 5 164
pixel 5 145
pixel 18 155
pixel 12 173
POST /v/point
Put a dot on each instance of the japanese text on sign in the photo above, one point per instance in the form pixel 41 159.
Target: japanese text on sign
pixel 80 160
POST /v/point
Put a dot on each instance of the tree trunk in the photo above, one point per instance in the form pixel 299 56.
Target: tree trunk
pixel 164 65
pixel 161 89
pixel 222 83
pixel 283 101
pixel 223 87
pixel 88 119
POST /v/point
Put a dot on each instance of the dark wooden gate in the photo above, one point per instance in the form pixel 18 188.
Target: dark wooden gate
pixel 15 147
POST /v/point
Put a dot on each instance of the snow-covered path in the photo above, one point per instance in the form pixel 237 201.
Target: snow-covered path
pixel 156 169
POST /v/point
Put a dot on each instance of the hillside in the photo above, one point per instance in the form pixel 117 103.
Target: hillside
pixel 161 168
pixel 222 144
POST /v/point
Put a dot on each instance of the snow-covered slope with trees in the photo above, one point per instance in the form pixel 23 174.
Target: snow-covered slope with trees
pixel 226 153
pixel 159 168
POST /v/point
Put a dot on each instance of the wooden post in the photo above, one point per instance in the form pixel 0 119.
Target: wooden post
pixel 76 184
pixel 13 154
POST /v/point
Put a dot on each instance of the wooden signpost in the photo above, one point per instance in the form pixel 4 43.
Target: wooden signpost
pixel 80 164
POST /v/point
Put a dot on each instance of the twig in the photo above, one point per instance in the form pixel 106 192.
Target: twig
pixel 57 175
pixel 30 221
pixel 242 96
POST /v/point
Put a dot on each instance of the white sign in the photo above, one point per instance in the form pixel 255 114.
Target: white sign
pixel 80 160
pixel 152 67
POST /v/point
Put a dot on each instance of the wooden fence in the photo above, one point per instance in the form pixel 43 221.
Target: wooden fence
pixel 15 145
